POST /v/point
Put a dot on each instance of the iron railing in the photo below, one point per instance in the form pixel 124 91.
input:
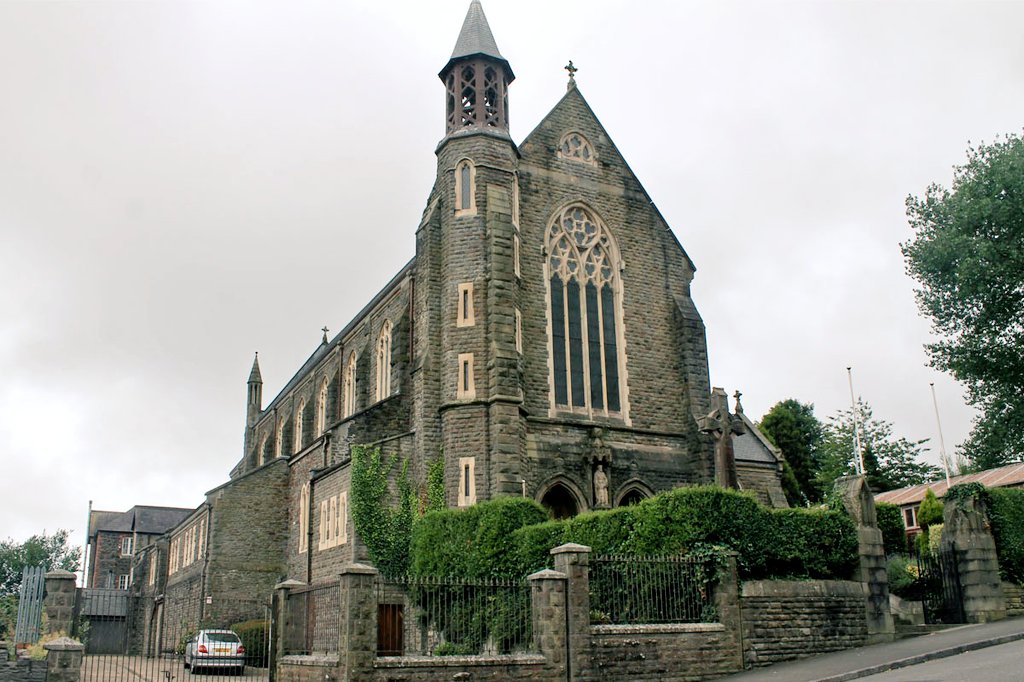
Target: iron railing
pixel 312 623
pixel 430 616
pixel 636 589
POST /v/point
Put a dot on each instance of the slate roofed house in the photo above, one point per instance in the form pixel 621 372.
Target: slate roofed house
pixel 113 537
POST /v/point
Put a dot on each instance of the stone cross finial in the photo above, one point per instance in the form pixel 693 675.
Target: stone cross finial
pixel 721 426
pixel 571 68
pixel 739 407
pixel 325 330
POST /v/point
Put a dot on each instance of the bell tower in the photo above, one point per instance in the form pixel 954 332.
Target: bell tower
pixel 467 280
pixel 476 78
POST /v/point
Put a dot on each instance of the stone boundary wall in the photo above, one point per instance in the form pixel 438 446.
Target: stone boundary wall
pixel 23 670
pixel 662 652
pixel 1014 599
pixel 784 620
pixel 446 668
pixel 306 668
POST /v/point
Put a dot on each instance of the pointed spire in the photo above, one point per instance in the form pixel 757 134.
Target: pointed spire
pixel 254 376
pixel 476 39
pixel 476 36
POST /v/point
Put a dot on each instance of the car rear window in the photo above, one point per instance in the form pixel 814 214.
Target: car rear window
pixel 221 637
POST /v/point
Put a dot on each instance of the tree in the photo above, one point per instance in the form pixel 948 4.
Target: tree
pixel 792 427
pixel 967 254
pixel 50 551
pixel 889 462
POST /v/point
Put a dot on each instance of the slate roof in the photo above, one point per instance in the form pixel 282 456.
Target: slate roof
pixel 753 446
pixel 1007 476
pixel 476 38
pixel 140 519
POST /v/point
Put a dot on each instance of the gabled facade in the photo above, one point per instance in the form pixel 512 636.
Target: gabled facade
pixel 542 341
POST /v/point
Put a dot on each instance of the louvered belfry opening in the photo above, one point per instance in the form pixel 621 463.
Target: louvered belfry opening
pixel 477 96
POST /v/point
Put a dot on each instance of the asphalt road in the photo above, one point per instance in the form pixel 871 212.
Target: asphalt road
pixel 1003 663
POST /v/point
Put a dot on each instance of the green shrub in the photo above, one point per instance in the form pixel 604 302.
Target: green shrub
pixel 1006 516
pixel 890 522
pixel 509 537
pixel 903 573
pixel 473 542
pixel 930 511
pixel 254 635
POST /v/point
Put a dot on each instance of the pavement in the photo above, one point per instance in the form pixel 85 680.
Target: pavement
pixel 870 660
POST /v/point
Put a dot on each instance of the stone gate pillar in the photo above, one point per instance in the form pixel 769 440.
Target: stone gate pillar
pixel 357 622
pixel 574 562
pixel 965 533
pixel 59 601
pixel 860 505
pixel 547 604
pixel 64 660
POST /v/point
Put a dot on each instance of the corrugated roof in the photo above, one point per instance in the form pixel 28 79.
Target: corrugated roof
pixel 1010 475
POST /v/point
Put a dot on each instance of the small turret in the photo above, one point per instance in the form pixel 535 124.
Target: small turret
pixel 476 78
pixel 253 403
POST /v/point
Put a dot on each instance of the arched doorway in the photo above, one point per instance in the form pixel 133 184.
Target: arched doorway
pixel 634 496
pixel 561 502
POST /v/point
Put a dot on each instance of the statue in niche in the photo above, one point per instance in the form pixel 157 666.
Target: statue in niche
pixel 601 488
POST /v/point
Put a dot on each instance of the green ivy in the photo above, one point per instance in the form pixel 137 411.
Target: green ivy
pixel 385 530
pixel 436 499
pixel 1006 517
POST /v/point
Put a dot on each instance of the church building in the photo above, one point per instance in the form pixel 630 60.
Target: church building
pixel 543 341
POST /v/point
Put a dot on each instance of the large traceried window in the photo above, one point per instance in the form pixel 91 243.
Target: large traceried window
pixel 321 409
pixel 384 361
pixel 586 318
pixel 350 386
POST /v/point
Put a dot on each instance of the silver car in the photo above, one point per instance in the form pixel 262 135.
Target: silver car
pixel 215 649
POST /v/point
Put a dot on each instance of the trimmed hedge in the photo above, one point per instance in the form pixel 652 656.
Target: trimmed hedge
pixel 1006 514
pixel 890 522
pixel 255 637
pixel 506 537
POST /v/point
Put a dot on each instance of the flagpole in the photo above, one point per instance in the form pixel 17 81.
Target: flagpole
pixel 942 441
pixel 859 451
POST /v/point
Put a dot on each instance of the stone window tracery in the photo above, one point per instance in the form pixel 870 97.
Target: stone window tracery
pixel 576 147
pixel 384 361
pixel 350 386
pixel 586 317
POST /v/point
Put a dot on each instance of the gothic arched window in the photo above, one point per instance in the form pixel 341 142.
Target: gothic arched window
pixel 279 440
pixel 350 386
pixel 465 181
pixel 586 315
pixel 384 361
pixel 299 412
pixel 321 409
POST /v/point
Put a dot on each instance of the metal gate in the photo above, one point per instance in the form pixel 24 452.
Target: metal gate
pixel 132 638
pixel 939 578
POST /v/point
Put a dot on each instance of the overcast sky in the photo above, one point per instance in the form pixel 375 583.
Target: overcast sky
pixel 184 183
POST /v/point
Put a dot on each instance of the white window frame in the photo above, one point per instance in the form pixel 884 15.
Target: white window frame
pixel 297 431
pixel 465 381
pixel 460 190
pixel 122 581
pixel 321 409
pixel 467 481
pixel 304 518
pixel 465 316
pixel 349 385
pixel 126 545
pixel 384 361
